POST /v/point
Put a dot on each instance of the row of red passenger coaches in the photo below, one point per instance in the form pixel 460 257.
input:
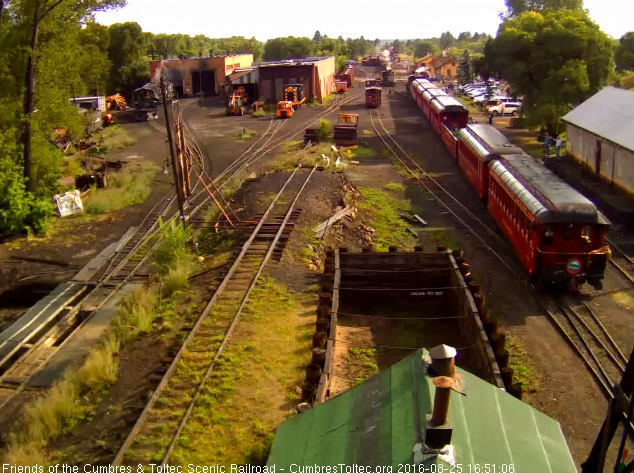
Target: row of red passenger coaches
pixel 556 232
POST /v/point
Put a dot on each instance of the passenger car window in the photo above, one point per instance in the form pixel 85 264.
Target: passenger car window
pixel 547 236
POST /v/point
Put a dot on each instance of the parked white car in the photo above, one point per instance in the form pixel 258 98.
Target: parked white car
pixel 506 107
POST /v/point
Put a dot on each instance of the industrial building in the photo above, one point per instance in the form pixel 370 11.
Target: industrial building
pixel 194 75
pixel 599 134
pixel 423 418
pixel 266 79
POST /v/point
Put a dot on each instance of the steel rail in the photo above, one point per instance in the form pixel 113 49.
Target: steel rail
pixel 203 316
pixel 439 200
pixel 234 323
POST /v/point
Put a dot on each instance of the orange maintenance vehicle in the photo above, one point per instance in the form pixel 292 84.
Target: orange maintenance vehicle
pixel 342 86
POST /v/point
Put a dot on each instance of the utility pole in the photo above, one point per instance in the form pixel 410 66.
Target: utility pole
pixel 169 123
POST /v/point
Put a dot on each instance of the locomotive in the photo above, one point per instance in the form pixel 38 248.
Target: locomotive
pixel 557 233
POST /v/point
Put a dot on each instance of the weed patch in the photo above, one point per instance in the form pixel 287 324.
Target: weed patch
pixel 395 187
pixel 115 137
pixel 382 212
pixel 246 134
pixel 259 113
pixel 362 364
pixel 520 363
pixel 249 390
pixel 363 152
pixel 124 188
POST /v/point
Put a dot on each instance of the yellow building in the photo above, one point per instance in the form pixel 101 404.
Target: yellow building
pixel 445 65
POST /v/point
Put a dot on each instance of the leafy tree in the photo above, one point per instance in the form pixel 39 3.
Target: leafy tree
pixel 423 48
pixel 38 11
pixel 317 37
pixel 464 36
pixel 465 69
pixel 398 46
pixel 447 40
pixel 517 7
pixel 555 59
pixel 127 51
pixel 624 55
pixel 377 41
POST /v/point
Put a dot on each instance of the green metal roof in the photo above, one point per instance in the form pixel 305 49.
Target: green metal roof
pixel 375 424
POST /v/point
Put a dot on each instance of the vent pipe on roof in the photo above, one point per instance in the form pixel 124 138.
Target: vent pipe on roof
pixel 442 360
pixel 439 430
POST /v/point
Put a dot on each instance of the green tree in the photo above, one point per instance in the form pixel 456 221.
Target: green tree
pixel 398 46
pixel 624 55
pixel 423 48
pixel 517 7
pixel 465 68
pixel 317 37
pixel 464 36
pixel 447 40
pixel 127 52
pixel 38 11
pixel 555 59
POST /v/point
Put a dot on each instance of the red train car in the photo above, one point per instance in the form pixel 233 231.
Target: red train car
pixel 428 96
pixel 556 232
pixel 347 75
pixel 445 110
pixel 477 145
pixel 373 96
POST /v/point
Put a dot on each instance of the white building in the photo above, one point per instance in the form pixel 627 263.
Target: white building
pixel 600 133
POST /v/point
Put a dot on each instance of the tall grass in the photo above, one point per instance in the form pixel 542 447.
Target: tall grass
pixel 64 405
pixel 115 137
pixel 172 259
pixel 324 129
pixel 124 188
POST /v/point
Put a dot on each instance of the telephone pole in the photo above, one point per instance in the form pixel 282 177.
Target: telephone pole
pixel 178 177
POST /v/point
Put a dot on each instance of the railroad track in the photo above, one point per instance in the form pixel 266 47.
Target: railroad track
pixel 174 399
pixel 575 319
pixel 28 348
pixel 587 335
pixel 466 219
pixel 620 259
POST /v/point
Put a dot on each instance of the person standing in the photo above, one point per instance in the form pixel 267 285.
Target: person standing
pixel 547 142
pixel 490 118
pixel 558 144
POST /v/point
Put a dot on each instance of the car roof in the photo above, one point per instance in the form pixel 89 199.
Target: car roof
pixel 547 196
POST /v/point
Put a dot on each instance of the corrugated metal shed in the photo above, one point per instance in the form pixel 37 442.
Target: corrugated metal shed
pixel 376 424
pixel 244 76
pixel 609 114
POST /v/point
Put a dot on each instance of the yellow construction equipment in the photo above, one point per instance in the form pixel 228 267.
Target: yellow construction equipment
pixel 236 104
pixel 294 93
pixel 116 101
pixel 284 109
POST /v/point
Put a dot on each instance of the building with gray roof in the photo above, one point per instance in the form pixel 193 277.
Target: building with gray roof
pixel 600 134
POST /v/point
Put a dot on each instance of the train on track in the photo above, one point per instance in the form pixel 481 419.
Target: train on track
pixel 557 234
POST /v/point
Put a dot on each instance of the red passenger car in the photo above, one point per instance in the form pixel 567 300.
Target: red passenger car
pixel 428 96
pixel 557 233
pixel 477 145
pixel 445 110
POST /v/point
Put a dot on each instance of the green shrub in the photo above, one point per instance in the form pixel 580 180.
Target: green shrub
pixel 124 188
pixel 246 134
pixel 19 209
pixel 258 113
pixel 172 250
pixel 324 129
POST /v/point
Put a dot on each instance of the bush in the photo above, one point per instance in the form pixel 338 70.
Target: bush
pixel 246 134
pixel 124 188
pixel 258 113
pixel 324 129
pixel 19 209
pixel 172 259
